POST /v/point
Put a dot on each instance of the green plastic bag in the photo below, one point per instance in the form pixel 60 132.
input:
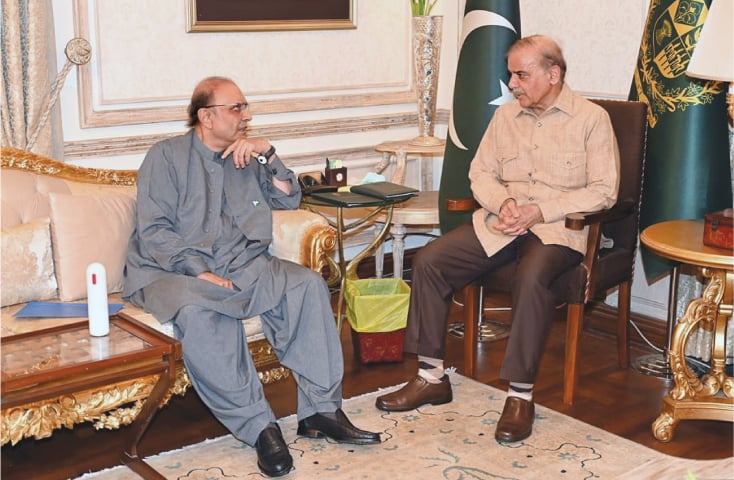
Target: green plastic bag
pixel 377 304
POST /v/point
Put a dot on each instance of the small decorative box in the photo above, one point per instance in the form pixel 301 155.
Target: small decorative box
pixel 336 176
pixel 717 229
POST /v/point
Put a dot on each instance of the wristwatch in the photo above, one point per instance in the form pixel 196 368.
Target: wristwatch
pixel 264 158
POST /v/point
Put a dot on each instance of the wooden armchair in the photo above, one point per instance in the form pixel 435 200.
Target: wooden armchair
pixel 602 268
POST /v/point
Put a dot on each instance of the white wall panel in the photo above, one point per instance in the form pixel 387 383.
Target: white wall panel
pixel 600 40
pixel 144 52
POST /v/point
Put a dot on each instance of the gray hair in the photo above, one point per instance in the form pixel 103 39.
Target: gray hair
pixel 549 51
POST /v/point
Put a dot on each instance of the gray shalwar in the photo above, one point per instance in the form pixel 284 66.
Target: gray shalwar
pixel 197 213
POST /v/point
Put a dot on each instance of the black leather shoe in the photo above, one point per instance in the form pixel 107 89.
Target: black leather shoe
pixel 416 393
pixel 340 430
pixel 273 457
pixel 516 421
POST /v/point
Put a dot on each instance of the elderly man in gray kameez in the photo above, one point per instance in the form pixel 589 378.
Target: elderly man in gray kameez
pixel 199 257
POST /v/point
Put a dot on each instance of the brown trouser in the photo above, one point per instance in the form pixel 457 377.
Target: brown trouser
pixel 457 258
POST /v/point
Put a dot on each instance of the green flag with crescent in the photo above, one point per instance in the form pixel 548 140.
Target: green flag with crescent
pixel 687 170
pixel 488 29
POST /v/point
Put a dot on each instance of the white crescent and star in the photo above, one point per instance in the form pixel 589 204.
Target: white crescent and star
pixel 473 20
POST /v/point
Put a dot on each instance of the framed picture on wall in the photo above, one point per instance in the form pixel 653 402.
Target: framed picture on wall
pixel 269 15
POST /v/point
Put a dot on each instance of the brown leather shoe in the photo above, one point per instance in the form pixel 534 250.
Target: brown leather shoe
pixel 417 392
pixel 516 421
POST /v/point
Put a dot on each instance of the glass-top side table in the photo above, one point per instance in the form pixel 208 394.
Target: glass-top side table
pixel 50 366
pixel 367 212
pixel 57 353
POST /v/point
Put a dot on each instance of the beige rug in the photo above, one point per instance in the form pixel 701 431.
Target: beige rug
pixel 453 441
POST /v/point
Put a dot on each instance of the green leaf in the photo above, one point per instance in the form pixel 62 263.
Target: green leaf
pixel 421 8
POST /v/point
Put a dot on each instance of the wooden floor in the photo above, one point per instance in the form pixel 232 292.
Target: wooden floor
pixel 623 402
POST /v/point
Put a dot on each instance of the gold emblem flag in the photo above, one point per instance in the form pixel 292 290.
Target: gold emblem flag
pixel 665 51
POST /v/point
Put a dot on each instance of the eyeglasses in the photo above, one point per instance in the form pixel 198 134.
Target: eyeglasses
pixel 233 107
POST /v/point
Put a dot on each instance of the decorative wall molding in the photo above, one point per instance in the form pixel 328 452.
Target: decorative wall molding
pixel 89 88
pixel 109 147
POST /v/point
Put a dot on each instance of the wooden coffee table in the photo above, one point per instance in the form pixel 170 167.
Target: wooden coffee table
pixel 53 363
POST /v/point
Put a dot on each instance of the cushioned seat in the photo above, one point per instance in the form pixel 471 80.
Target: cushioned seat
pixel 56 220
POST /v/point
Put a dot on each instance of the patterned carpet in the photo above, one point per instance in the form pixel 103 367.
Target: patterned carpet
pixel 453 441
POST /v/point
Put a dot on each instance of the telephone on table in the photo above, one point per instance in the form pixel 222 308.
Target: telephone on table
pixel 333 177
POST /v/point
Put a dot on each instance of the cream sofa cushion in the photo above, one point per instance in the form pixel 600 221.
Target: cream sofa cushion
pixel 25 195
pixel 27 265
pixel 86 229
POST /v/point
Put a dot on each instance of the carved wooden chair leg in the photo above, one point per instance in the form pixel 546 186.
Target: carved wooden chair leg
pixel 574 326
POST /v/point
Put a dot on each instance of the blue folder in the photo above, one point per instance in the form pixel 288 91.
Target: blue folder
pixel 61 310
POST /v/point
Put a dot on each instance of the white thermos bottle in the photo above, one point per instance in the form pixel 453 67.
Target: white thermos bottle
pixel 98 311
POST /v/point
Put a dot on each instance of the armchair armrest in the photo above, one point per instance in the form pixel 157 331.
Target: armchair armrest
pixel 574 221
pixel 302 237
pixel 578 220
pixel 461 204
pixel 595 220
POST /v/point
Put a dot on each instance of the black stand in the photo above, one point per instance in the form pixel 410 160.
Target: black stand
pixel 488 330
pixel 656 364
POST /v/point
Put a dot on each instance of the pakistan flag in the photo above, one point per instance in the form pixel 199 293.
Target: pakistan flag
pixel 489 28
pixel 687 172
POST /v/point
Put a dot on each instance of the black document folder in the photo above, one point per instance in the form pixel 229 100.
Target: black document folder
pixel 384 190
pixel 346 199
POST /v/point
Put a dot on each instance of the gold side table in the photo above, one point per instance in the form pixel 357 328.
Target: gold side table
pixel 367 213
pixel 712 396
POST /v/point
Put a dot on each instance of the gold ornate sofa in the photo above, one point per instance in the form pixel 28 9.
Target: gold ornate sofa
pixel 55 219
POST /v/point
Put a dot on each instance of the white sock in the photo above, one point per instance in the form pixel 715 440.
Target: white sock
pixel 521 390
pixel 430 369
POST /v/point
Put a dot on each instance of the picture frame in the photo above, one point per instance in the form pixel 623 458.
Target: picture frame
pixel 269 15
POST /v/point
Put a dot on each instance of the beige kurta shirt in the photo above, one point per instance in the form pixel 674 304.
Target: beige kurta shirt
pixel 565 160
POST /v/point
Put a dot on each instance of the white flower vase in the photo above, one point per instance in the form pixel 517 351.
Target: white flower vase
pixel 426 57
